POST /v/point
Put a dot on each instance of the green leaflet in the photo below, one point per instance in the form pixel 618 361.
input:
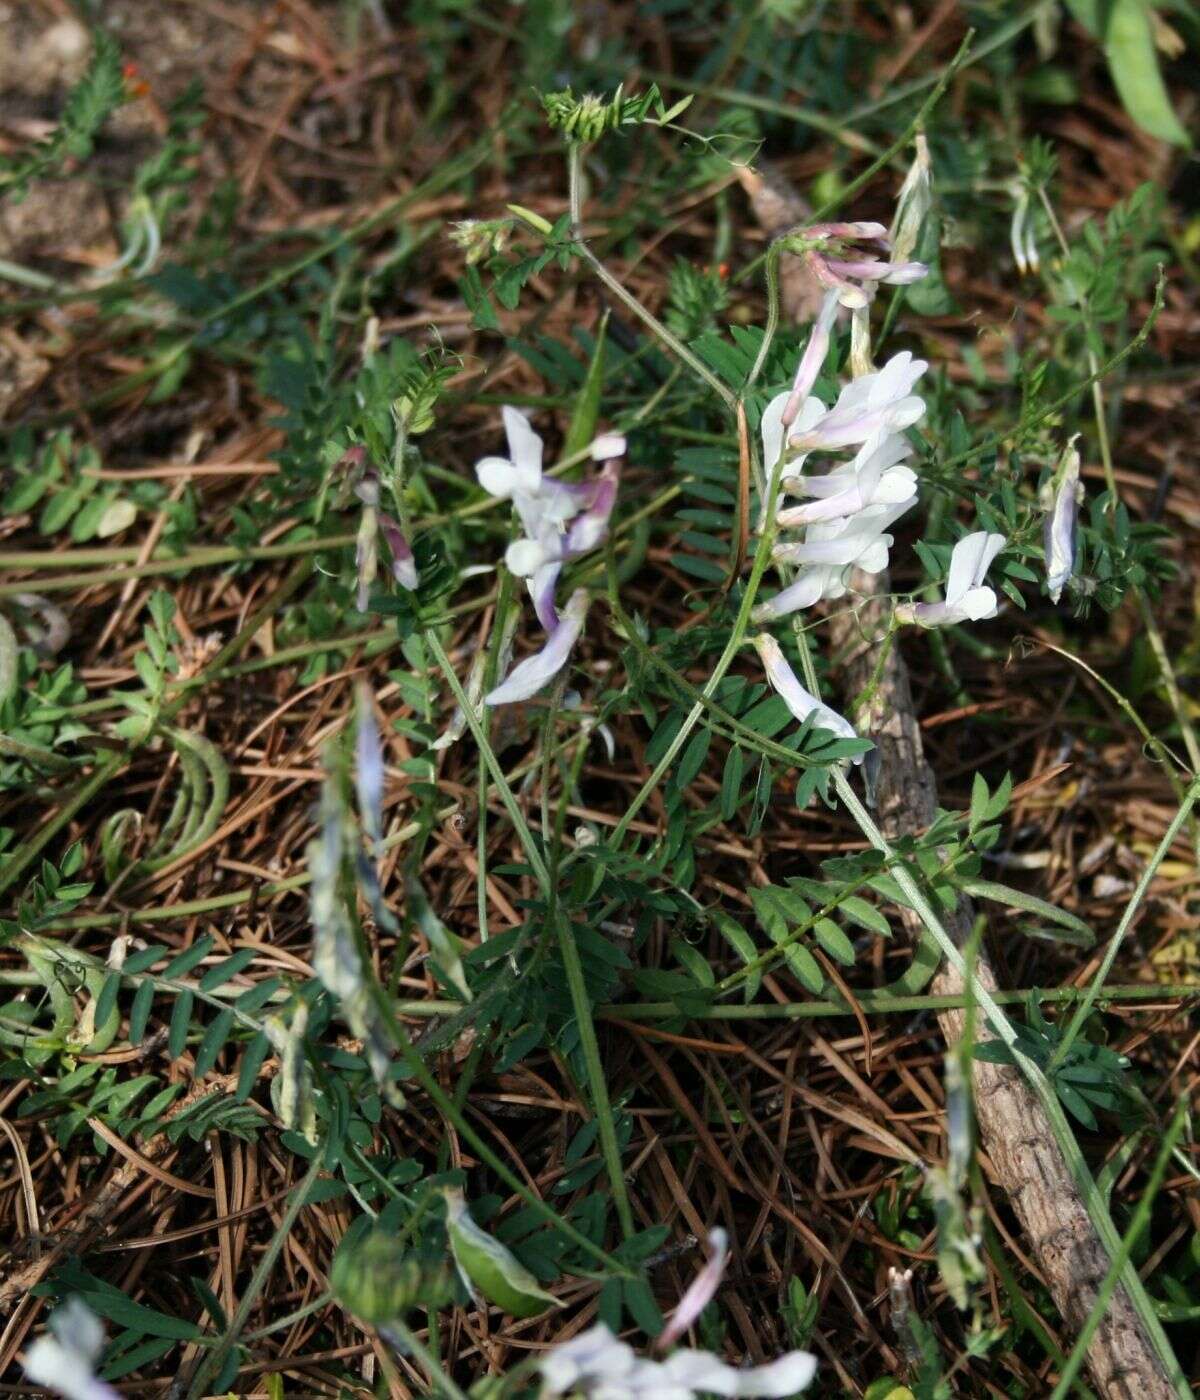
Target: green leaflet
pixel 1129 47
pixel 587 406
pixel 443 946
pixel 488 1267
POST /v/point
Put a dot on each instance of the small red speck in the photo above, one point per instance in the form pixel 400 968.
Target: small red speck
pixel 134 82
pixel 723 271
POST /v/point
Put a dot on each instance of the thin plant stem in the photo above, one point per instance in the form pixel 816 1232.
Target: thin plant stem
pixel 1121 1259
pixel 401 1337
pixel 626 298
pixel 880 1003
pixel 533 851
pixel 1083 1010
pixel 211 1365
pixel 1043 1090
pixel 580 1001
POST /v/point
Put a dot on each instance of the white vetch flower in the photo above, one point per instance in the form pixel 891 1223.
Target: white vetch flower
pixel 808 368
pixel 538 670
pixel 64 1359
pixel 597 1365
pixel 875 477
pixel 1062 500
pixel 700 1291
pixel 829 551
pixel 967 598
pixel 783 680
pixel 874 403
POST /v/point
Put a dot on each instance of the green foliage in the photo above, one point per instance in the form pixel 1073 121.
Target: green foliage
pixel 1090 1078
pixel 53 892
pixel 92 101
pixel 61 482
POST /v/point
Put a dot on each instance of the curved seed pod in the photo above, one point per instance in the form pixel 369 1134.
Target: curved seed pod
pixel 487 1267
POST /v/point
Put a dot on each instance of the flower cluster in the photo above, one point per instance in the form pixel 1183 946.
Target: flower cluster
pixel 846 260
pixel 597 1365
pixel 851 506
pixel 837 258
pixel 561 520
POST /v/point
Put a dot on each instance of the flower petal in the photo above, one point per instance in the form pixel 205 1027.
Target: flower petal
pixel 970 561
pixel 784 1376
pixel 541 589
pixel 810 364
pixel 499 477
pixel 700 1291
pixel 404 568
pixel 809 588
pixel 783 680
pixel 524 445
pixel 536 671
pixel 607 446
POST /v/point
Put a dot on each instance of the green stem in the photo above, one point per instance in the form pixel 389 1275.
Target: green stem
pixel 1043 1090
pixel 1121 1259
pixel 1083 1010
pixel 882 1003
pixel 212 1364
pixel 626 298
pixel 532 850
pixel 401 1337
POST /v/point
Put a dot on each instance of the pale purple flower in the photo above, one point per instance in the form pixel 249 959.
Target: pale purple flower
pixel 520 473
pixel 837 260
pixel 1062 501
pixel 374 520
pixel 827 554
pixel 700 1291
pixel 561 520
pixel 404 568
pixel 64 1359
pixel 967 599
pixel 368 767
pixel 598 1366
pixel 536 671
pixel 783 680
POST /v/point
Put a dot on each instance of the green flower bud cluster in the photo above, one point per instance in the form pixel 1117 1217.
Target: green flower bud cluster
pixel 587 118
pixel 375 1281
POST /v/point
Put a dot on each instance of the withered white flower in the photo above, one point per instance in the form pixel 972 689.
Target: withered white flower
pixel 913 203
pixel 561 520
pixel 598 1366
pixel 967 598
pixel 1061 500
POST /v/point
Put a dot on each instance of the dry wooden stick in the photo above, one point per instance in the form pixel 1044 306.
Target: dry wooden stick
pixel 1015 1133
